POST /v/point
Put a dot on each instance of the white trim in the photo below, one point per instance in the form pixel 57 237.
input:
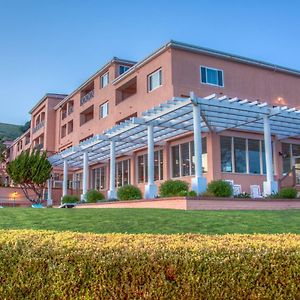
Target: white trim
pixel 101 81
pixel 159 71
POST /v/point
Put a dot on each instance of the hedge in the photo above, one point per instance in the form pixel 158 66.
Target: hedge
pixel 45 264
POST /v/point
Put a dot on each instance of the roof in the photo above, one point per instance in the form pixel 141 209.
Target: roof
pixel 175 117
pixel 211 52
pixel 113 60
pixel 48 95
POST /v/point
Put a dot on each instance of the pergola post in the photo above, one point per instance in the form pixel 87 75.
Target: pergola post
pixel 270 186
pixel 65 179
pixel 150 188
pixel 199 182
pixel 85 175
pixel 49 193
pixel 112 172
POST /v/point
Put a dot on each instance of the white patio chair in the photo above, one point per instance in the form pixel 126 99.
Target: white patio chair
pixel 255 191
pixel 237 189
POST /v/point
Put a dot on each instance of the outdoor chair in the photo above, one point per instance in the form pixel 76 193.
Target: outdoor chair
pixel 255 191
pixel 237 189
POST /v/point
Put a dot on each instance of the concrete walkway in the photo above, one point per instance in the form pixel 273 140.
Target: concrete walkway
pixel 203 204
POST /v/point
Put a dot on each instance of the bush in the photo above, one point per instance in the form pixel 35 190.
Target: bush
pixel 70 199
pixel 47 264
pixel 192 194
pixel 93 196
pixel 288 193
pixel 171 188
pixel 182 193
pixel 129 192
pixel 219 188
pixel 243 195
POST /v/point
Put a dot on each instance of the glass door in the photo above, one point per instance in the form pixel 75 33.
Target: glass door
pixel 296 164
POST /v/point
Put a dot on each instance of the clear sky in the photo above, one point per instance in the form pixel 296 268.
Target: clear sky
pixel 54 45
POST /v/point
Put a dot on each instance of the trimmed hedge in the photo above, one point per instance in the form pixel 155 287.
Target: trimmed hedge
pixel 288 193
pixel 129 192
pixel 70 199
pixel 93 196
pixel 45 264
pixel 219 188
pixel 171 188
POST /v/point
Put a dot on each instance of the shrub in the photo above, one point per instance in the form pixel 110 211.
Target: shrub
pixel 219 188
pixel 41 264
pixel 192 194
pixel 182 193
pixel 70 199
pixel 172 188
pixel 93 196
pixel 243 195
pixel 288 193
pixel 129 192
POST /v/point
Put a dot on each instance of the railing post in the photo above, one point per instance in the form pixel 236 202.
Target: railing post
pixel 112 172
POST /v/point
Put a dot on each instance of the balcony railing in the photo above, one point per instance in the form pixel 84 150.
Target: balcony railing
pixel 87 97
pixel 38 127
pixel 64 115
pixel 27 141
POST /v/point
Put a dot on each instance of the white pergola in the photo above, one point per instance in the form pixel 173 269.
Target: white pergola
pixel 176 117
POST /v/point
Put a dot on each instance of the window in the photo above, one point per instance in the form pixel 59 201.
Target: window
pixel 123 172
pixel 104 80
pixel 142 166
pixel 289 151
pixel 254 156
pixel 154 80
pixel 183 159
pixel 99 178
pixel 241 155
pixel 70 127
pixel 123 69
pixel 103 110
pixel 212 76
pixel 64 131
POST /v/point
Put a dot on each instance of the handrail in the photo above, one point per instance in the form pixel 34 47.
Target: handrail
pixel 292 172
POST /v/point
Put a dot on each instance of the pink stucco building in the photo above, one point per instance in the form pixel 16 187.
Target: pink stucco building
pixel 69 127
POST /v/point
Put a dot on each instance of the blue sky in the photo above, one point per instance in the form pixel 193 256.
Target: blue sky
pixel 54 45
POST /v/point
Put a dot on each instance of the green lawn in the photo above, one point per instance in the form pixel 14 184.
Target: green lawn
pixel 151 220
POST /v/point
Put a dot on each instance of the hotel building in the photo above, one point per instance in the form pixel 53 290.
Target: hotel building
pixel 140 123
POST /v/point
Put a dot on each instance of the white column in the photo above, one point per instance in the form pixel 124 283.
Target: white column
pixel 112 172
pixel 65 179
pixel 150 188
pixel 49 194
pixel 199 182
pixel 270 186
pixel 85 176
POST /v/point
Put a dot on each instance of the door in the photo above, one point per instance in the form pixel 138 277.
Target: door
pixel 296 164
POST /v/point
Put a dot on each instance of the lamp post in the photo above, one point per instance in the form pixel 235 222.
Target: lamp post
pixel 15 194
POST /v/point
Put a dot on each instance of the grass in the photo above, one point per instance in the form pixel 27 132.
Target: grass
pixel 151 221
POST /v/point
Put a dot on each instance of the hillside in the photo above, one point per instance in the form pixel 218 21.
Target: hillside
pixel 10 131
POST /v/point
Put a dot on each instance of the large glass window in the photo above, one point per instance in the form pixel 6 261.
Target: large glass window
pixel 123 172
pixel 226 154
pixel 142 166
pixel 211 76
pixel 154 80
pixel 183 159
pixel 241 155
pixel 254 156
pixel 99 178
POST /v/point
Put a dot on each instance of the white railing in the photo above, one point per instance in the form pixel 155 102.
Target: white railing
pixel 87 97
pixel 38 127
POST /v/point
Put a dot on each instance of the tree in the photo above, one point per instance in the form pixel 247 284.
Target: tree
pixel 25 127
pixel 30 170
pixel 2 150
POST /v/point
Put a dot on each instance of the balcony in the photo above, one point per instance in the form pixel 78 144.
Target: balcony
pixel 87 97
pixel 27 141
pixel 39 146
pixel 38 127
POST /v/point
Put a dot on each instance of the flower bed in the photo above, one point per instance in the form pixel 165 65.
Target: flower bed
pixel 43 264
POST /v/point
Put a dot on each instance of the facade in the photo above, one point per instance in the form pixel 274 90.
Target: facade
pixel 123 90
